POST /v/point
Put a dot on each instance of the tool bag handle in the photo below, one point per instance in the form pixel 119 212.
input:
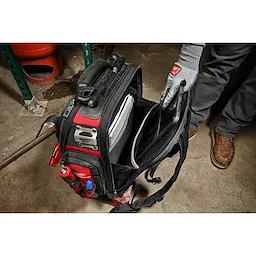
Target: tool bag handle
pixel 98 66
pixel 92 71
pixel 85 90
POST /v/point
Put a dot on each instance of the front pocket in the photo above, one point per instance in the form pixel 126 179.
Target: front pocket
pixel 89 161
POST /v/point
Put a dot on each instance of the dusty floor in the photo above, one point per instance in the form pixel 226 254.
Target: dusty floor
pixel 30 185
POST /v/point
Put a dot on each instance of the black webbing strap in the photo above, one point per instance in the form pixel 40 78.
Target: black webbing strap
pixel 66 126
pixel 150 172
pixel 159 195
pixel 50 119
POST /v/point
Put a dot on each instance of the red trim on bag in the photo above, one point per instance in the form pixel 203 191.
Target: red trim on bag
pixel 79 119
pixel 56 155
pixel 87 150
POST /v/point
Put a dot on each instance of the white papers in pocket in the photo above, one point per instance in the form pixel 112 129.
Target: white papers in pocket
pixel 120 121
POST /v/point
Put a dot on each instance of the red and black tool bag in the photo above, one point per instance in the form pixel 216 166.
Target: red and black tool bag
pixel 108 134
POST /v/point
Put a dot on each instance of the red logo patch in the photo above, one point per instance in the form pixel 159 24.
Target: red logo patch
pixel 175 70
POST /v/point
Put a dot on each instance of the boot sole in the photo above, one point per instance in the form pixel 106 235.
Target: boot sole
pixel 214 161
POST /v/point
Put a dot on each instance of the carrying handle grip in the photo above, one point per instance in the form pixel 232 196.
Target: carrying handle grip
pixel 98 66
pixel 92 71
pixel 85 92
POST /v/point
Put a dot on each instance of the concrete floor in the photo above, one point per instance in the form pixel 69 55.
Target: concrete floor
pixel 29 184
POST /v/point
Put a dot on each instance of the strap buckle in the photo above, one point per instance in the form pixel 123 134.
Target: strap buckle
pixel 156 180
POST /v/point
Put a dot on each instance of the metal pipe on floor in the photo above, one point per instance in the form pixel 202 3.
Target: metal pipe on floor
pixel 27 147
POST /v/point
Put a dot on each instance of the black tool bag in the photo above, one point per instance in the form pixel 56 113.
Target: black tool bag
pixel 109 134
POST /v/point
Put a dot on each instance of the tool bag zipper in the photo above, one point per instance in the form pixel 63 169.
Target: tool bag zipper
pixel 117 94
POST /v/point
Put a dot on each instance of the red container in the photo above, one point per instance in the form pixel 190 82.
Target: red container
pixel 42 70
pixel 33 51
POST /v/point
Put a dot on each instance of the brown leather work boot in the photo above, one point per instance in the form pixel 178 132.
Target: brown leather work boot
pixel 222 150
pixel 192 135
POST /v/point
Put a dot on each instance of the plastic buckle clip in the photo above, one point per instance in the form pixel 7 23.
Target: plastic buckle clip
pixel 84 93
pixel 156 180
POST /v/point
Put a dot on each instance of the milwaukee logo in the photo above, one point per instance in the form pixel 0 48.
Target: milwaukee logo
pixel 175 70
pixel 81 175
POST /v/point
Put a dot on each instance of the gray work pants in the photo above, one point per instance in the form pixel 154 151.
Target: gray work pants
pixel 241 108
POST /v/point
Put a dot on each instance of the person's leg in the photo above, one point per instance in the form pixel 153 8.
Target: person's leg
pixel 240 110
pixel 238 113
pixel 224 59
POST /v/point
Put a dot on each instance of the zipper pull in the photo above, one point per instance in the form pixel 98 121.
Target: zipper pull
pixel 69 108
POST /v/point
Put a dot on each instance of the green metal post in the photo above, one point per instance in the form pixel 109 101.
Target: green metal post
pixel 87 51
pixel 16 70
